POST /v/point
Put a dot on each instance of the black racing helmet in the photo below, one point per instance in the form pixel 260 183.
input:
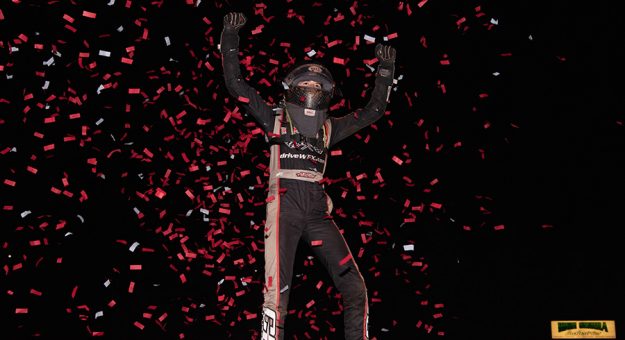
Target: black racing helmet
pixel 309 70
pixel 310 98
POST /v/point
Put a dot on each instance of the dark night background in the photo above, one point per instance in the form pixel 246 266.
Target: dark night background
pixel 514 181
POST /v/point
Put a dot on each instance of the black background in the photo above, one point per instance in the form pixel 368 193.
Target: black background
pixel 555 182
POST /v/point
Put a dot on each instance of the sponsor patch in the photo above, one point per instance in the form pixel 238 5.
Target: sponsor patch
pixel 314 68
pixel 305 175
pixel 309 112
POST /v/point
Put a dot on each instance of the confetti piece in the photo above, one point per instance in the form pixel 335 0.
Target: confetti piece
pixel 88 14
pixel 345 259
pixel 134 246
pixel 436 205
pixel 338 60
pixel 397 160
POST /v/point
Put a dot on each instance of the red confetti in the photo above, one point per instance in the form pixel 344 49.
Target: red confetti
pixel 345 259
pixel 397 160
pixel 338 60
pixel 88 14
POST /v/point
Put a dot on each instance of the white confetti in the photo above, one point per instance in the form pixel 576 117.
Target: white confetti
pixel 107 283
pixel 120 28
pixel 99 121
pixel 104 53
pixel 99 314
pixel 189 212
pixel 220 282
pixel 167 41
pixel 81 218
pixel 204 211
pixel 25 213
pixel 494 21
pixel 134 246
pixel 136 210
pixel 311 53
pixel 369 38
pixel 408 247
pixel 496 74
pixel 46 84
pixel 49 61
pixel 111 3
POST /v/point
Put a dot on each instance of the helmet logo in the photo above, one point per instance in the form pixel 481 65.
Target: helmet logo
pixel 314 68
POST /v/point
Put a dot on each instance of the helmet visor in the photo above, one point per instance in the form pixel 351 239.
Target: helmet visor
pixel 308 97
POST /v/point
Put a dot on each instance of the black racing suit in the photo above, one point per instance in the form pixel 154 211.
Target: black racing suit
pixel 297 205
